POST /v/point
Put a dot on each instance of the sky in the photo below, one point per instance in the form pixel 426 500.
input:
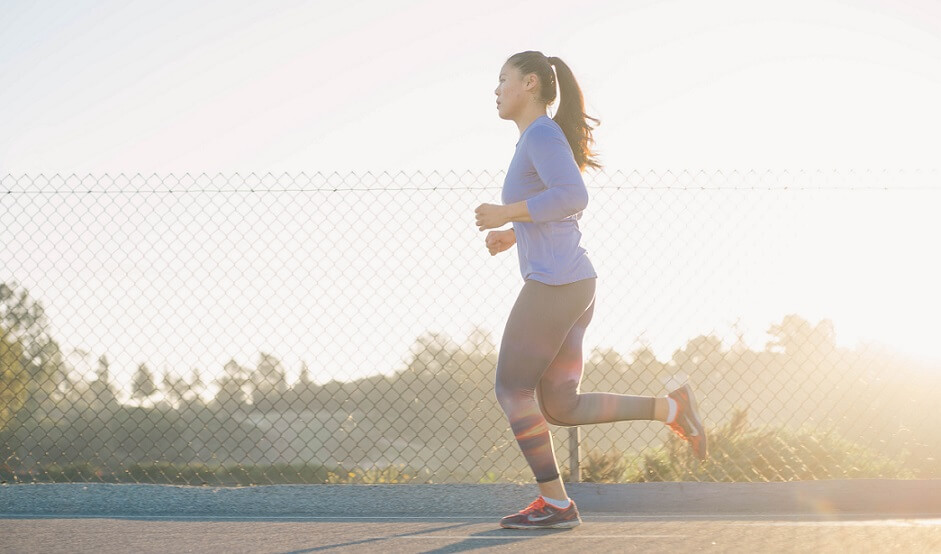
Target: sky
pixel 234 86
pixel 104 88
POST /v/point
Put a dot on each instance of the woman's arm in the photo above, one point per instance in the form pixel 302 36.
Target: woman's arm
pixel 554 162
pixel 517 211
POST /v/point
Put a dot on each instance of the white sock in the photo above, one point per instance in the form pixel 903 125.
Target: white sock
pixel 671 413
pixel 557 503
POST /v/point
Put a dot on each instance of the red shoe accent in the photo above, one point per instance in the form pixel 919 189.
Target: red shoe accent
pixel 687 423
pixel 535 505
pixel 542 515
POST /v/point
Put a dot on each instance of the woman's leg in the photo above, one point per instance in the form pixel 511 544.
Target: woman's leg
pixel 558 389
pixel 535 330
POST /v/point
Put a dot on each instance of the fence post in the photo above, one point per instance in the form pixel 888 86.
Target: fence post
pixel 573 454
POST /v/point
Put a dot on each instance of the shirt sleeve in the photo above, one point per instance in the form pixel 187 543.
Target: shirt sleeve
pixel 553 161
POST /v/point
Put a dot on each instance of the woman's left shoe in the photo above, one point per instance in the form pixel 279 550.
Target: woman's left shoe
pixel 542 515
pixel 687 423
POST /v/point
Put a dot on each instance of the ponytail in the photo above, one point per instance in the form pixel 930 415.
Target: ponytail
pixel 570 116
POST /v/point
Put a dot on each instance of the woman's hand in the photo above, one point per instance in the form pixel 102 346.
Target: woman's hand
pixel 498 241
pixel 491 216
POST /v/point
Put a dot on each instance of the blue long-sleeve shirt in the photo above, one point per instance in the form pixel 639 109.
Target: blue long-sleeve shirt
pixel 543 172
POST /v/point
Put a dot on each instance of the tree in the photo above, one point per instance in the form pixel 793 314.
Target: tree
pixel 41 358
pixel 269 382
pixel 231 395
pixel 434 353
pixel 479 342
pixel 13 378
pixel 799 339
pixel 197 387
pixel 704 349
pixel 101 391
pixel 174 387
pixel 143 384
pixel 304 380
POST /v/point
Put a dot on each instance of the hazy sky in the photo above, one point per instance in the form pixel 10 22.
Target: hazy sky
pixel 172 86
pixel 237 87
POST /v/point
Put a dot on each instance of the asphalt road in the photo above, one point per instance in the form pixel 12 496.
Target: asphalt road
pixel 850 515
pixel 598 533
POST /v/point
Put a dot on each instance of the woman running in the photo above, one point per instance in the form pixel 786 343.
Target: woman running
pixel 539 366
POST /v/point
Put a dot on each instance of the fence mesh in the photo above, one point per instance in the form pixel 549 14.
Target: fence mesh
pixel 345 328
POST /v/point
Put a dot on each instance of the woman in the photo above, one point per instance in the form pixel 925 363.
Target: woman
pixel 540 354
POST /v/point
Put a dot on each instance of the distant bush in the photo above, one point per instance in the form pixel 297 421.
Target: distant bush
pixel 611 466
pixel 215 474
pixel 738 452
pixel 13 377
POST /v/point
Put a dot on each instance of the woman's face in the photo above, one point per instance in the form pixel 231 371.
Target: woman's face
pixel 512 91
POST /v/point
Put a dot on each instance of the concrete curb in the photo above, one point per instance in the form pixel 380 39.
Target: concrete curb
pixel 845 496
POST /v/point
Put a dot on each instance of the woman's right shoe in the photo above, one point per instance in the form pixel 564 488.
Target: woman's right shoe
pixel 542 515
pixel 687 423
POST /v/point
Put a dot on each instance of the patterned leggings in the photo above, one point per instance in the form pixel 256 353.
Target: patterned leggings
pixel 541 352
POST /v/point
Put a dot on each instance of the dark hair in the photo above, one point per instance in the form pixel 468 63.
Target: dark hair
pixel 570 116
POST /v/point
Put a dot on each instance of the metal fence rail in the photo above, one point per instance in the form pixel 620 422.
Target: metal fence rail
pixel 302 328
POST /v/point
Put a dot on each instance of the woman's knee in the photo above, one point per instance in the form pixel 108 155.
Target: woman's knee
pixel 504 387
pixel 516 378
pixel 513 399
pixel 558 404
pixel 551 419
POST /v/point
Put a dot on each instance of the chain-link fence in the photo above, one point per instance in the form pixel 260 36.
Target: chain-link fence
pixel 345 328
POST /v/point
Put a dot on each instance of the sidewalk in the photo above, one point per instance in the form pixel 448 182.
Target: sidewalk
pixel 843 496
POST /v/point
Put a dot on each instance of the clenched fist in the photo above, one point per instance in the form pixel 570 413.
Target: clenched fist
pixel 491 216
pixel 498 241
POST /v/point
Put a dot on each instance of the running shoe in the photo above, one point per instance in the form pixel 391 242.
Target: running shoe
pixel 542 515
pixel 687 423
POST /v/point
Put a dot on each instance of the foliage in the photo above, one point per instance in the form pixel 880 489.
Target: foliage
pixel 13 377
pixel 739 452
